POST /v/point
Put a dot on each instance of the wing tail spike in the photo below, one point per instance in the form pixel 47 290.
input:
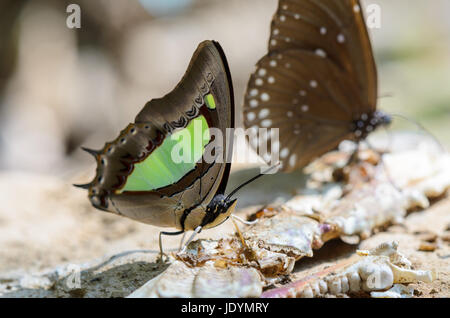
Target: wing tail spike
pixel 83 186
pixel 93 152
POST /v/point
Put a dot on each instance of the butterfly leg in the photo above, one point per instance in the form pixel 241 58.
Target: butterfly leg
pixel 197 230
pixel 181 242
pixel 161 253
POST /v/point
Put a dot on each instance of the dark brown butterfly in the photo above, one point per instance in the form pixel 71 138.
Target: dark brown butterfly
pixel 318 82
pixel 139 175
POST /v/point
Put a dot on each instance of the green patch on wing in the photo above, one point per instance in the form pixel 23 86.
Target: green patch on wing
pixel 172 160
pixel 210 102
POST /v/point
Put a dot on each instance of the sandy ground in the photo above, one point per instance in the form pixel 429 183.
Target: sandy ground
pixel 46 225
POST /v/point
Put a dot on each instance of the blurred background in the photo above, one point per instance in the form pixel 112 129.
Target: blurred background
pixel 61 88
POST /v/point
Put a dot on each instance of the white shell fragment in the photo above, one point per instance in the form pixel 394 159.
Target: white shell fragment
pixel 415 170
pixel 272 264
pixel 285 233
pixel 362 210
pixel 313 200
pixel 377 270
pixel 182 281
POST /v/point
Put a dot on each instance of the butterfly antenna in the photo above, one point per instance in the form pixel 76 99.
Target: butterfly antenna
pixel 243 221
pixel 251 180
pixel 421 127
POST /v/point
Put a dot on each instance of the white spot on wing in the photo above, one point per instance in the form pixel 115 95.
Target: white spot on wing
pixel 323 30
pixel 265 97
pixel 259 82
pixel 321 53
pixel 263 113
pixel 254 103
pixel 273 63
pixel 305 108
pixel 262 72
pixel 271 79
pixel 266 123
pixel 284 153
pixel 340 38
pixel 313 84
pixel 251 116
pixel 293 160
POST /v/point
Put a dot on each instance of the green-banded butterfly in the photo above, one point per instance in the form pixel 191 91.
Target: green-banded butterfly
pixel 318 81
pixel 138 175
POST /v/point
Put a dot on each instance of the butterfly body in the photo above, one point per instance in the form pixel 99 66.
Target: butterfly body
pixel 367 123
pixel 139 175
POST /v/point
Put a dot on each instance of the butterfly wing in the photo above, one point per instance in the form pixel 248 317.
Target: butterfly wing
pixel 318 76
pixel 138 175
pixel 335 28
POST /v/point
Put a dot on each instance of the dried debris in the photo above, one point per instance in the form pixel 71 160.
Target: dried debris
pixel 379 269
pixel 180 280
pixel 346 201
pixel 427 247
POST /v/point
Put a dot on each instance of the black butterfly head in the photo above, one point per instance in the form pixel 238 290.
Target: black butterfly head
pixel 218 211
